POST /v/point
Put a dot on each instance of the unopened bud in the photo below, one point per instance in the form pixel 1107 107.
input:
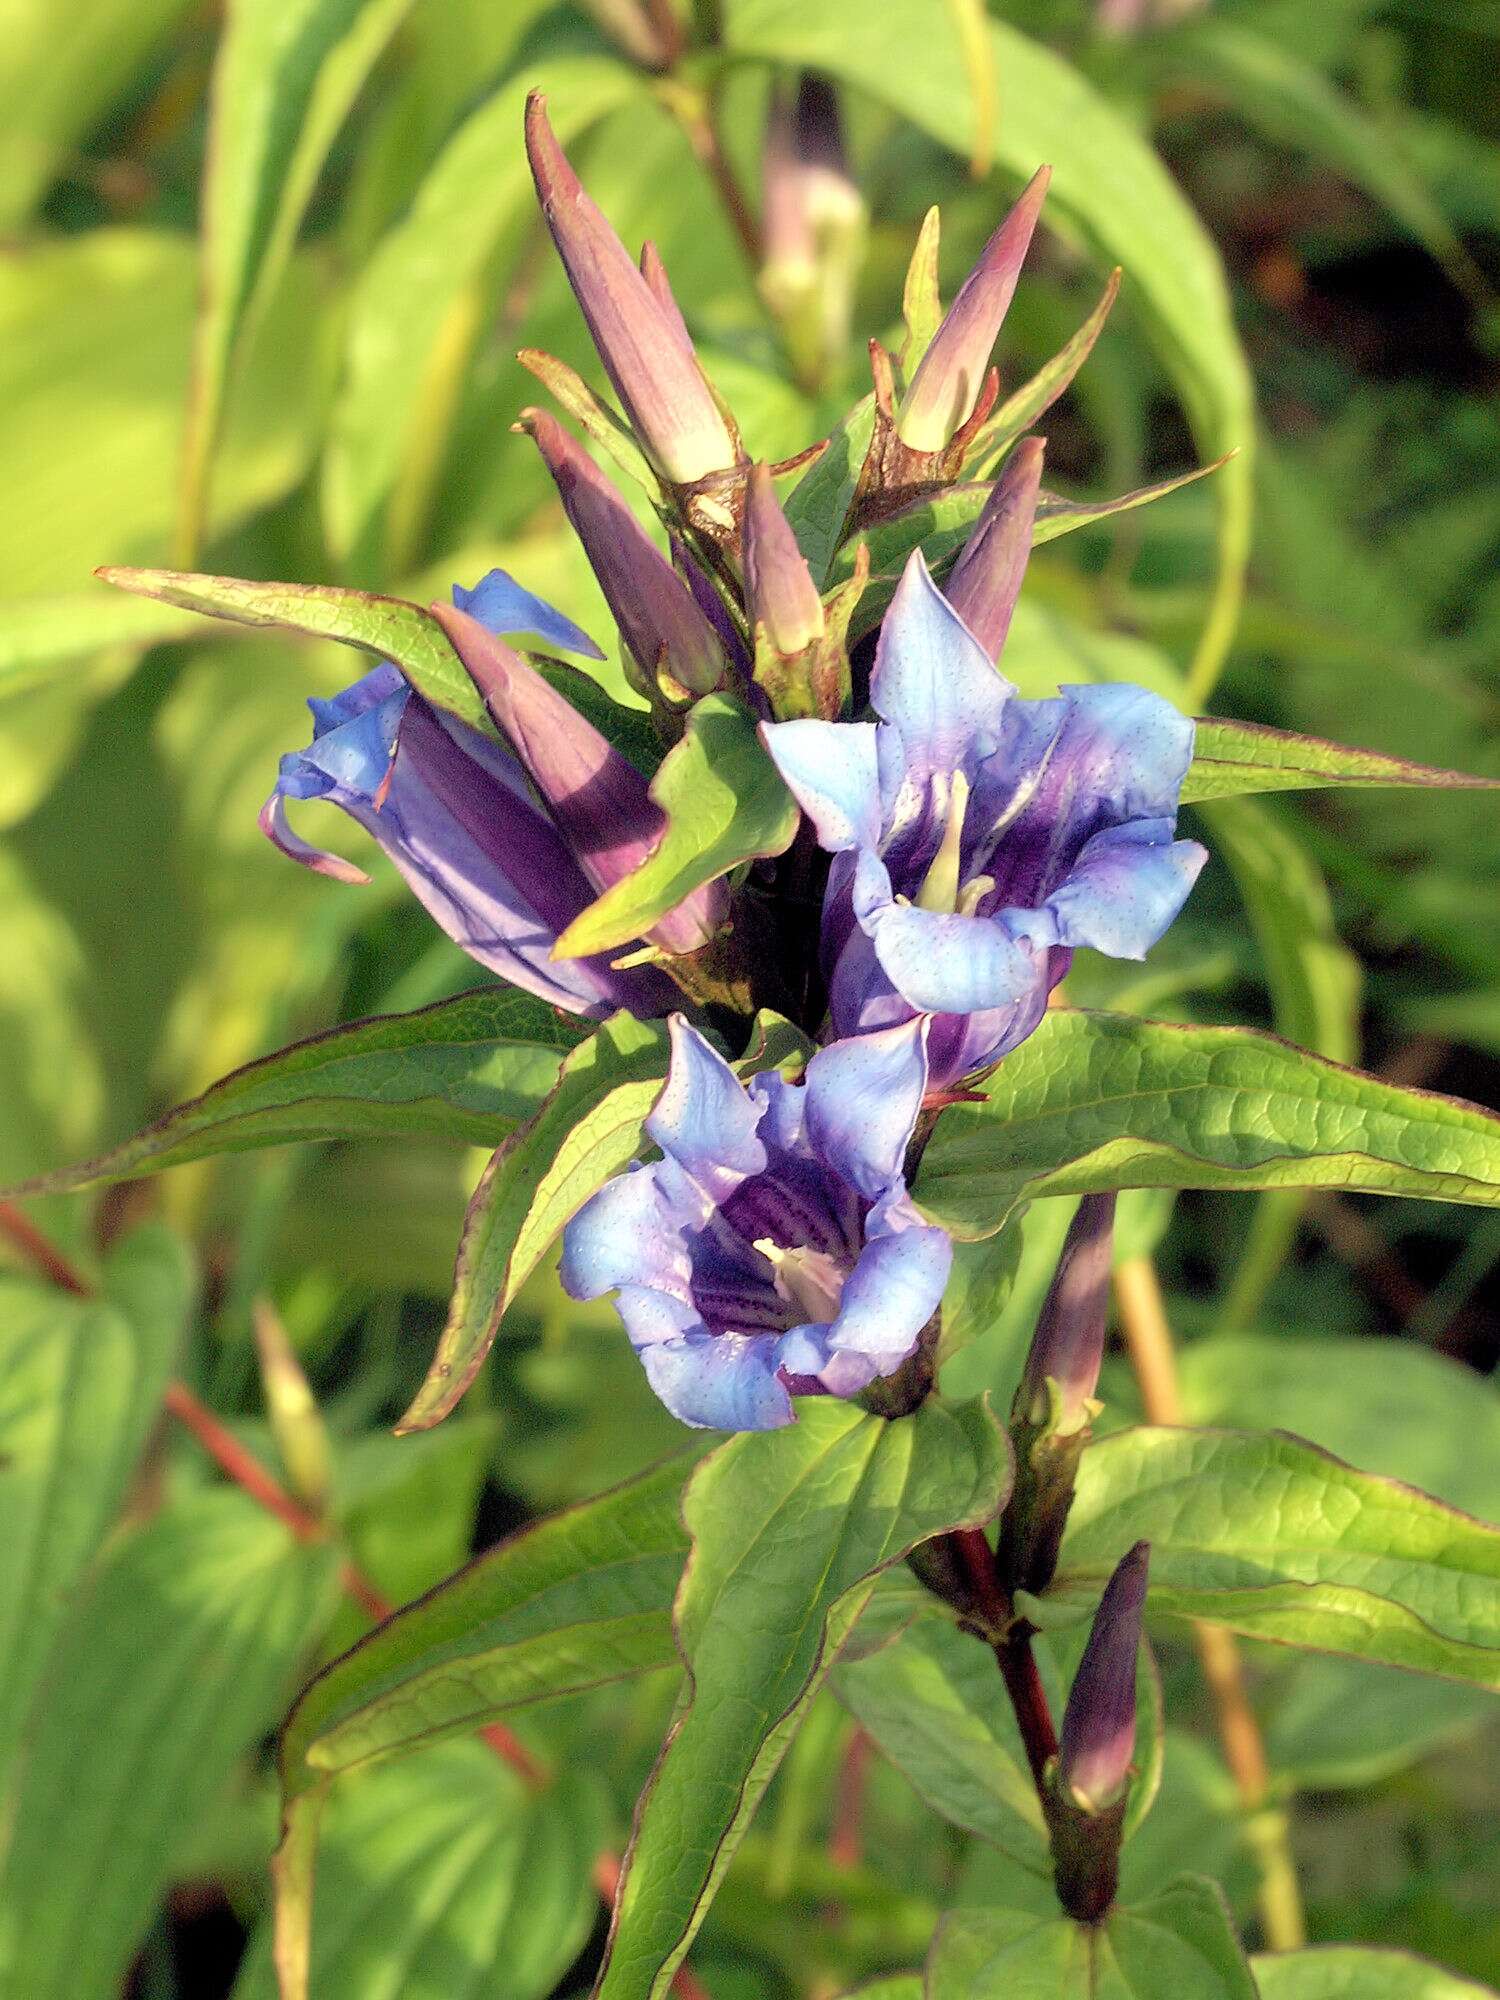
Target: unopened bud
pixel 598 800
pixel 946 386
pixel 986 580
pixel 814 221
pixel 782 597
pixel 1067 1349
pixel 642 343
pixel 1098 1731
pixel 648 34
pixel 658 618
pixel 296 1422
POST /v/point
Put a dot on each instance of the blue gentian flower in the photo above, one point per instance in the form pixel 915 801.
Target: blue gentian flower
pixel 978 838
pixel 453 809
pixel 773 1250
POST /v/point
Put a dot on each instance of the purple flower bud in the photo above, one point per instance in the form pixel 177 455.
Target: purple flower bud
pixel 654 271
pixel 946 386
pixel 1098 1732
pixel 598 800
pixel 642 343
pixel 813 221
pixel 1068 1345
pixel 654 609
pixel 782 596
pixel 986 579
pixel 648 34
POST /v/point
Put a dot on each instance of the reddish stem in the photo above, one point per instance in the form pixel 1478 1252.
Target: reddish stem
pixel 23 1234
pixel 846 1842
pixel 1013 1652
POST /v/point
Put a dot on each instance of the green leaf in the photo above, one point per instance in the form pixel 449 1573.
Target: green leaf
pixel 1339 1971
pixel 286 75
pixel 1390 1404
pixel 468 1068
pixel 81 1382
pixel 940 524
pixel 442 1875
pixel 1278 1540
pixel 1019 412
pixel 1108 187
pixel 170 1668
pixel 418 306
pixel 1180 1943
pixel 818 503
pixel 587 1129
pixel 1097 1101
pixel 1232 758
pixel 790 1529
pixel 725 804
pixel 579 1600
pixel 575 1601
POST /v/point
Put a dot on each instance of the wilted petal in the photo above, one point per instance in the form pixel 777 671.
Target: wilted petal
pixel 950 374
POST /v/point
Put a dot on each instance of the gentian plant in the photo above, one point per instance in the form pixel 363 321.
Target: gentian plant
pixel 781 1051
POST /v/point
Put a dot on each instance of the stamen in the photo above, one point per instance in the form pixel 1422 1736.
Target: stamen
pixel 939 890
pixel 809 1280
pixel 973 893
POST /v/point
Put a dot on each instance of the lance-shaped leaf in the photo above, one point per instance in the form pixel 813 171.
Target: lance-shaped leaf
pixel 80 1390
pixel 1097 1101
pixel 390 628
pixel 468 1069
pixel 576 1601
pixel 725 804
pixel 286 74
pixel 1180 1943
pixel 1231 758
pixel 588 1129
pixel 941 523
pixel 1277 1539
pixel 789 1530
pixel 1033 399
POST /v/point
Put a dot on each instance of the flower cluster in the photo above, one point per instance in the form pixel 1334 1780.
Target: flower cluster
pixel 958 842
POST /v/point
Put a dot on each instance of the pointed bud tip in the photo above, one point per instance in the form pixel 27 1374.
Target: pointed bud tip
pixel 1068 1346
pixel 1098 1732
pixel 782 595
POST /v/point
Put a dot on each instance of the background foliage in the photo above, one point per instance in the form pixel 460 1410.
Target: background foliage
pixel 264 277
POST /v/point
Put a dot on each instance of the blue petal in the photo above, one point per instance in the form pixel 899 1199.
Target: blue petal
pixel 507 607
pixel 933 682
pixel 719 1382
pixel 627 1234
pixel 892 1293
pixel 703 1118
pixel 830 769
pixel 375 687
pixel 943 963
pixel 1124 744
pixel 1125 888
pixel 352 749
pixel 863 1096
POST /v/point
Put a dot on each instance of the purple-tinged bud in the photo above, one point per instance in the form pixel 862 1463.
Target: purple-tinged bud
pixel 781 595
pixel 643 346
pixel 813 221
pixel 654 271
pixel 659 621
pixel 1068 1346
pixel 950 375
pixel 1098 1731
pixel 986 580
pixel 597 798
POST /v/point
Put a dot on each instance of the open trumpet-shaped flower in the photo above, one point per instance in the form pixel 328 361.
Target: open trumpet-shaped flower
pixel 979 838
pixel 773 1250
pixel 454 811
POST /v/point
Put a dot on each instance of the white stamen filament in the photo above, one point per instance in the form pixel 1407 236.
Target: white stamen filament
pixel 809 1280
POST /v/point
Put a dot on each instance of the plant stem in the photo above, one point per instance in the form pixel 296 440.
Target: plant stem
pixel 697 114
pixel 38 1250
pixel 1011 1642
pixel 1148 1341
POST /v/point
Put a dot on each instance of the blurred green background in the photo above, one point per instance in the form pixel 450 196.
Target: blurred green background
pixel 320 387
